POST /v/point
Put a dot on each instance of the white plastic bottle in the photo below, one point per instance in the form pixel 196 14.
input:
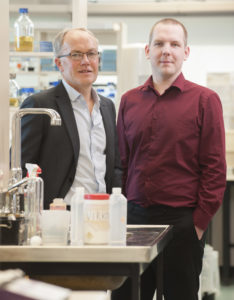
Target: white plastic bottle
pixel 118 218
pixel 96 219
pixel 24 31
pixel 77 217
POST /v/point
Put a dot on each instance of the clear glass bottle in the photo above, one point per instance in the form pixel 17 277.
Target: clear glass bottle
pixel 13 91
pixel 34 194
pixel 24 31
pixel 118 218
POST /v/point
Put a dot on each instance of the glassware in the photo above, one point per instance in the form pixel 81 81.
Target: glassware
pixel 13 91
pixel 33 198
pixel 24 31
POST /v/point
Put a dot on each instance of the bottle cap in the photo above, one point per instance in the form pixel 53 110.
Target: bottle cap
pixel 23 10
pixel 96 196
pixel 58 204
pixel 33 170
pixel 31 90
pixel 116 191
pixel 39 171
pixel 12 75
pixel 58 201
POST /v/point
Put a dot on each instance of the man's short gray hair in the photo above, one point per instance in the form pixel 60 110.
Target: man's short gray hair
pixel 59 38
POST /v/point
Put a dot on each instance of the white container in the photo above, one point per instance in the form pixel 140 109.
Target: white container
pixel 24 32
pixel 96 219
pixel 58 204
pixel 55 227
pixel 118 218
pixel 77 217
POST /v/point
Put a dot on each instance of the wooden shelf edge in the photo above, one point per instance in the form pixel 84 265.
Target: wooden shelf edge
pixel 129 8
pixel 31 54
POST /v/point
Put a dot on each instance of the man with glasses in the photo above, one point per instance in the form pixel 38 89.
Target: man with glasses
pixel 83 151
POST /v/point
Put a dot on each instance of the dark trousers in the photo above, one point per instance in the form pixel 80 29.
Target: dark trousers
pixel 182 256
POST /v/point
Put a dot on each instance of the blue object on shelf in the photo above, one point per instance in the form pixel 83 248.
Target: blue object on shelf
pixel 46 46
pixel 47 64
pixel 54 83
pixel 108 60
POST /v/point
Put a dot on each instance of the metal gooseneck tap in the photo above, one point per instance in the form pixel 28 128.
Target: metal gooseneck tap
pixel 16 170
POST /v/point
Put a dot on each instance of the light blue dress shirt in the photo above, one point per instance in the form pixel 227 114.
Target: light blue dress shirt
pixel 91 167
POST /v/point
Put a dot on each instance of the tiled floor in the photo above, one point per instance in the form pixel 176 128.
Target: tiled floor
pixel 90 295
pixel 226 293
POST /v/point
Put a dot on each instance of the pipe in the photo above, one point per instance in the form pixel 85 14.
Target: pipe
pixel 16 171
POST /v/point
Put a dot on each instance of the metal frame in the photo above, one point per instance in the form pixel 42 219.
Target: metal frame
pixel 127 260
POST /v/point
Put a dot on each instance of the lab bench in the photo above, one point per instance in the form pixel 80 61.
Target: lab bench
pixel 144 243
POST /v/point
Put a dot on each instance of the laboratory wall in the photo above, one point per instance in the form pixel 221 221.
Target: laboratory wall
pixel 211 40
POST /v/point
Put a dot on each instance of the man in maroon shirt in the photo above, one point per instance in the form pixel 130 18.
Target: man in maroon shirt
pixel 172 146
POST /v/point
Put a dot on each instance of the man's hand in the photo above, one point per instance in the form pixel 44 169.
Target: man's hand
pixel 199 232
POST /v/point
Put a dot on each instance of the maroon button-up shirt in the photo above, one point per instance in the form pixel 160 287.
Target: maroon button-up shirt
pixel 172 147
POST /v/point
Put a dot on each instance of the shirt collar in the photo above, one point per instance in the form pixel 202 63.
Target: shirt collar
pixel 179 83
pixel 95 97
pixel 74 94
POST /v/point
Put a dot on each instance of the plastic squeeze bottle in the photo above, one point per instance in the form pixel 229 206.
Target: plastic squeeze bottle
pixel 118 218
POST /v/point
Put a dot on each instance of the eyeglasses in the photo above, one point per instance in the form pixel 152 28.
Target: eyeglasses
pixel 78 56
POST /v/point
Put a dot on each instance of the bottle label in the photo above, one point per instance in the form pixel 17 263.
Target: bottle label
pixel 96 223
pixel 57 207
pixel 24 43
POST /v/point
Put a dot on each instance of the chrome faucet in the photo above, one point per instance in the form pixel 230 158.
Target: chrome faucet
pixel 16 170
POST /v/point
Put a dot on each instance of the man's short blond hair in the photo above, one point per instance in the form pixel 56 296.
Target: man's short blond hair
pixel 169 21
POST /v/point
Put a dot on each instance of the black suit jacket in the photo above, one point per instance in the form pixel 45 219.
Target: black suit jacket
pixel 56 148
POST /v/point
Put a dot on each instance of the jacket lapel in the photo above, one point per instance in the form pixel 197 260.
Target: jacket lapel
pixel 106 122
pixel 68 118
